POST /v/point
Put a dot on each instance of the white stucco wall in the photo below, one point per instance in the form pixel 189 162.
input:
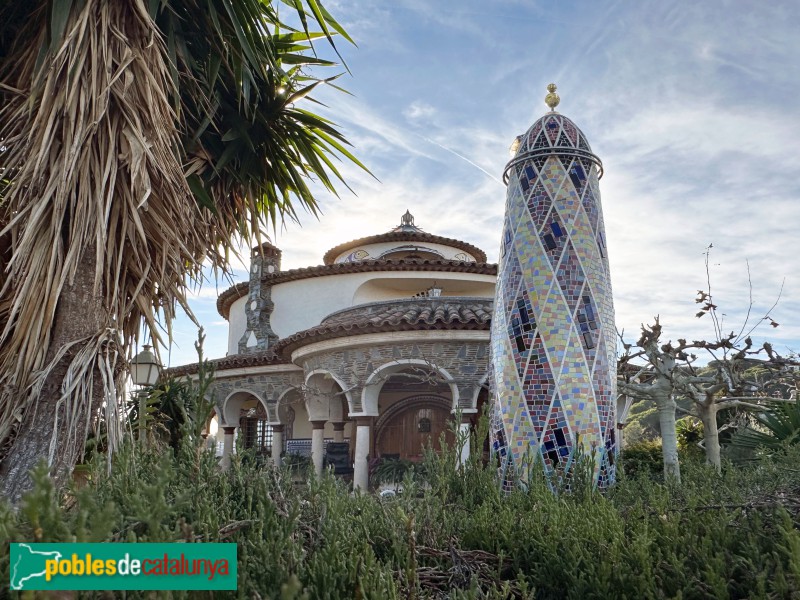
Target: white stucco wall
pixel 304 303
pixel 375 250
pixel 386 287
pixel 237 325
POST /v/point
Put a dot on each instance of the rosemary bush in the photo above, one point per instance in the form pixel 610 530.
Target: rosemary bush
pixel 454 535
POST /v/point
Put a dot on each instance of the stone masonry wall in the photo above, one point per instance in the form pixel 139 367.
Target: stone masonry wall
pixel 466 362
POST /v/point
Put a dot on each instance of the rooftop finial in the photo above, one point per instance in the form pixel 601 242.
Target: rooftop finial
pixel 552 99
pixel 407 224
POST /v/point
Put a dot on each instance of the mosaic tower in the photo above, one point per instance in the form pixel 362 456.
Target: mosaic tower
pixel 553 337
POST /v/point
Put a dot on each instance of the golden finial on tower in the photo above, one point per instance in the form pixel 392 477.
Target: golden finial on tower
pixel 552 99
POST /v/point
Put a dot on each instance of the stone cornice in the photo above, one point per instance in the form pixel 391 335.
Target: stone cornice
pixel 390 337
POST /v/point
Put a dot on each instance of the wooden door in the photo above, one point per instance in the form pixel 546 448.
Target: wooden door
pixel 406 434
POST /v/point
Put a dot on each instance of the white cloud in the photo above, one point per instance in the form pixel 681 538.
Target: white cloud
pixel 419 110
pixel 691 108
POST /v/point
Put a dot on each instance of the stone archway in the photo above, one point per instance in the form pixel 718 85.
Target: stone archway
pixel 433 373
pixel 245 412
pixel 237 401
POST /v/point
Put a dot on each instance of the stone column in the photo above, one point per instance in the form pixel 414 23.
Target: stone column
pixel 463 434
pixel 277 443
pixel 318 445
pixel 227 447
pixel 361 463
pixel 338 432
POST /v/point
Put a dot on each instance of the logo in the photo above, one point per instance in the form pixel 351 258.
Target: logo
pixel 123 566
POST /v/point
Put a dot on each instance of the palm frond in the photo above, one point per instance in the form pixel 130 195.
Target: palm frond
pixel 778 427
pixel 142 138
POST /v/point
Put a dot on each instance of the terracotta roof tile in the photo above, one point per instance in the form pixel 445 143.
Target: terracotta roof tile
pixel 404 236
pixel 444 313
pixel 235 361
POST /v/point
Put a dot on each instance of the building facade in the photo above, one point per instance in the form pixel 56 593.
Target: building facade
pixel 378 347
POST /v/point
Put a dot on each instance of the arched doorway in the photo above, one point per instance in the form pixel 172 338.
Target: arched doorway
pixel 409 425
pixel 248 413
pixel 255 428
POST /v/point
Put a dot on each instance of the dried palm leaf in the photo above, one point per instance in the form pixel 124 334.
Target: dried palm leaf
pixel 97 184
pixel 140 141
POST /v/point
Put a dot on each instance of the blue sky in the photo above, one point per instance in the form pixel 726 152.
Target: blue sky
pixel 692 106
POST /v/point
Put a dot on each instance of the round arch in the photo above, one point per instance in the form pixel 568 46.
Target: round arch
pixel 233 404
pixel 342 386
pixel 285 413
pixel 483 383
pixel 374 384
pixel 214 414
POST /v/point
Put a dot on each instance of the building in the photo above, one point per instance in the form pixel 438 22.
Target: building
pixel 379 346
pixel 388 339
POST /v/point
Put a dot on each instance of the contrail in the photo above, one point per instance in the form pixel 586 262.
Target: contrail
pixel 462 157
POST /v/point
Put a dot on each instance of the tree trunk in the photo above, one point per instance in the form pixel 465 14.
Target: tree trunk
pixel 708 415
pixel 669 439
pixel 80 314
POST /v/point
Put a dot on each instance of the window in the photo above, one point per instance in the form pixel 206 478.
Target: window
pixel 257 434
pixel 424 420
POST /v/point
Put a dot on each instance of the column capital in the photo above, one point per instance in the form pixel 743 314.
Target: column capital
pixel 229 430
pixel 318 424
pixel 278 427
pixel 363 421
pixel 338 425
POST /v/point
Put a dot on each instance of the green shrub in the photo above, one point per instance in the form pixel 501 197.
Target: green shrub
pixel 689 431
pixel 642 458
pixel 776 428
pixel 716 535
pixel 392 472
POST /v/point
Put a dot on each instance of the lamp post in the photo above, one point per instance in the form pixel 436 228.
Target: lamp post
pixel 144 373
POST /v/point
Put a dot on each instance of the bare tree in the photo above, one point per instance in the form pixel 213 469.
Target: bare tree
pixel 669 371
pixel 654 381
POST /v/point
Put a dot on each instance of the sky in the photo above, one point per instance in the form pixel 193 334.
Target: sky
pixel 692 107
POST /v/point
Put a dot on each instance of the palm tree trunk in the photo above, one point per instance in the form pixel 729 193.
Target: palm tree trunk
pixel 79 316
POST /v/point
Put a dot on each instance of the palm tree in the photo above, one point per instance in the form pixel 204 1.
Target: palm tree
pixel 777 428
pixel 140 139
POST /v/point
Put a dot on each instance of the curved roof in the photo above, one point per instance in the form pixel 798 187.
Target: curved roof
pixel 404 234
pixel 408 314
pixel 553 134
pixel 229 296
pixel 235 361
pixel 554 130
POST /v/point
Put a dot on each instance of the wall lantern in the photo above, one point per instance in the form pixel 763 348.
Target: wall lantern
pixel 144 373
pixel 434 291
